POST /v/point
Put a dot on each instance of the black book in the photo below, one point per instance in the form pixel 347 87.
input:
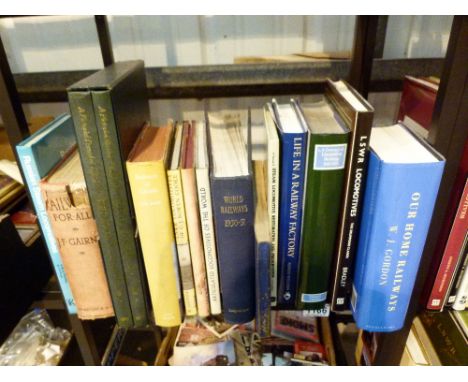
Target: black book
pixel 357 114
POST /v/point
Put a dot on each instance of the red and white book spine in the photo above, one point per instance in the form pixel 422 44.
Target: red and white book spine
pixel 452 251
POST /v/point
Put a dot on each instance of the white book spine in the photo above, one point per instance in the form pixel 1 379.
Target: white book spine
pixel 462 294
pixel 273 181
pixel 209 243
pixel 182 241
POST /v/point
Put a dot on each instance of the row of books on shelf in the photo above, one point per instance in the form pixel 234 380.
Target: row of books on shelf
pixel 447 284
pixel 322 210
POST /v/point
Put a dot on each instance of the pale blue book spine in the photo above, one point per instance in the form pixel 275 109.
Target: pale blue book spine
pixel 398 205
pixel 32 177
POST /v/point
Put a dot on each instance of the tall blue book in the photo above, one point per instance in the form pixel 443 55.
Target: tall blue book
pixel 233 213
pixel 38 155
pixel 293 141
pixel 402 186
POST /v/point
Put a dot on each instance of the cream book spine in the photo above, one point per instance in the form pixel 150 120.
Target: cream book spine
pixel 182 241
pixel 148 184
pixel 195 240
pixel 462 295
pixel 273 182
pixel 209 244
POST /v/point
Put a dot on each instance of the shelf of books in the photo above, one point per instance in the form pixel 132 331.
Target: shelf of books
pixel 237 243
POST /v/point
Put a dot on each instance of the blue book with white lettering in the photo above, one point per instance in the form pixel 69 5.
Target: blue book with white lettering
pixel 401 190
pixel 293 141
pixel 38 155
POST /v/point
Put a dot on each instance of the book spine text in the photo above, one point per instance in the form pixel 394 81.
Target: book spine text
pixel 233 217
pixel 148 183
pixel 195 241
pixel 76 233
pixel 290 227
pixel 348 228
pixel 452 252
pixel 209 243
pixel 182 240
pixel 32 179
pixel 81 108
pixel 114 166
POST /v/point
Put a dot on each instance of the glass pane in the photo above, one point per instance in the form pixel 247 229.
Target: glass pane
pixel 51 43
pixel 202 40
pixel 417 36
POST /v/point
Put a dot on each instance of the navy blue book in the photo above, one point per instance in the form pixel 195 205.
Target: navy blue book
pixel 401 190
pixel 233 213
pixel 263 253
pixel 262 287
pixel 293 141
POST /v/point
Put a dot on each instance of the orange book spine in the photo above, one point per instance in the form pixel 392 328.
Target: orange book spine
pixel 77 237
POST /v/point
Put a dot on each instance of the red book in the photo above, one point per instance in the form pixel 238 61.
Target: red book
pixel 449 218
pixel 417 104
pixel 308 348
pixel 451 254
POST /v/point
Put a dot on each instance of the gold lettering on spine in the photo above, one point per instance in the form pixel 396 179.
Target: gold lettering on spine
pixel 234 207
pixel 87 138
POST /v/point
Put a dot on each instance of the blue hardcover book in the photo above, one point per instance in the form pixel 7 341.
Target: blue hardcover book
pixel 293 138
pixel 38 154
pixel 402 186
pixel 262 286
pixel 233 213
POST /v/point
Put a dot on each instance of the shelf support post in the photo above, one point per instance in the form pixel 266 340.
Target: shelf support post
pixel 363 53
pixel 105 41
pixel 11 109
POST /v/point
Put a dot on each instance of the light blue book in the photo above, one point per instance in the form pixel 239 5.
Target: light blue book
pixel 402 185
pixel 38 155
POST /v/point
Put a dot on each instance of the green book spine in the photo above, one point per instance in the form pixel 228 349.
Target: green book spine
pixel 81 108
pixel 324 187
pixel 121 204
pixel 447 339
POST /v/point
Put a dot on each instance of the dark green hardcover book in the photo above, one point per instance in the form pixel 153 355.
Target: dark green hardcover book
pixel 121 108
pixel 326 159
pixel 82 111
pixel 447 337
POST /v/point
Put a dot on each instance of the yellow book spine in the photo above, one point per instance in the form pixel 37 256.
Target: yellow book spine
pixel 150 195
pixel 182 240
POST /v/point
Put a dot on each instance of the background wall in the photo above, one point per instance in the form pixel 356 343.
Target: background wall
pixel 70 43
